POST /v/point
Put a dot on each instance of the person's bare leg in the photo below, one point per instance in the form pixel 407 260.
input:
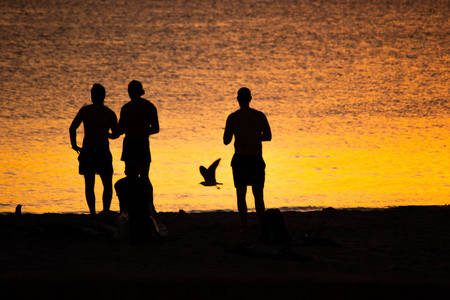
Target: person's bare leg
pixel 144 169
pixel 258 193
pixel 242 206
pixel 151 205
pixel 107 191
pixel 89 183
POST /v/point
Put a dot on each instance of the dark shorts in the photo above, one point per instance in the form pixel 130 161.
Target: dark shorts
pixel 136 150
pixel 95 160
pixel 248 170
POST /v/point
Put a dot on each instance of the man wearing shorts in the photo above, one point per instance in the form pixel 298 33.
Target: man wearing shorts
pixel 100 124
pixel 138 120
pixel 249 127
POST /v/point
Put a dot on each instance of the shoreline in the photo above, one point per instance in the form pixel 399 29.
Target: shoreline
pixel 380 252
pixel 250 210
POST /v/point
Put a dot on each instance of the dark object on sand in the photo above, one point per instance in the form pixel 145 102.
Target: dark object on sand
pixel 274 230
pixel 18 212
pixel 209 175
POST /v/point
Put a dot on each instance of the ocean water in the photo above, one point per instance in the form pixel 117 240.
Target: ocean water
pixel 356 92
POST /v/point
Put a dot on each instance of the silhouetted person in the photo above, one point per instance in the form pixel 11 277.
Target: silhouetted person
pixel 133 193
pixel 249 128
pixel 100 123
pixel 273 228
pixel 138 120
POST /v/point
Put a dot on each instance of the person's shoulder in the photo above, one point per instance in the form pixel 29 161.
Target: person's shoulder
pixel 86 107
pixel 246 112
pixel 258 112
pixel 128 104
pixel 233 115
pixel 102 109
pixel 236 113
pixel 113 115
pixel 255 111
pixel 139 103
pixel 109 110
pixel 148 104
pixel 120 182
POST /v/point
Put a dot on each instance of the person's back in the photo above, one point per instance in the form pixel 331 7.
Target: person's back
pixel 248 124
pixel 249 128
pixel 138 120
pixel 95 156
pixel 133 192
pixel 97 120
pixel 136 117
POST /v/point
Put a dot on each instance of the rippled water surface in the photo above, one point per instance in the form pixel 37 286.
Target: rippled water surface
pixel 356 92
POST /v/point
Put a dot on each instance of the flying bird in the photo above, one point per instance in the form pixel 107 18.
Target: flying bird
pixel 209 175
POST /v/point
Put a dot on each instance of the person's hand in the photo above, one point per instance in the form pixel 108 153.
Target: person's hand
pixel 76 148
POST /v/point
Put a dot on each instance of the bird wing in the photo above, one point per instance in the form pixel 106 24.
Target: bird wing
pixel 206 175
pixel 212 169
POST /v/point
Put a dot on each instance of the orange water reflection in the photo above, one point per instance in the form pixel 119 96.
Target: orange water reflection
pixel 406 166
pixel 356 93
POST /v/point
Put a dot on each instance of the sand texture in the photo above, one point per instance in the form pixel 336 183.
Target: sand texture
pixel 338 254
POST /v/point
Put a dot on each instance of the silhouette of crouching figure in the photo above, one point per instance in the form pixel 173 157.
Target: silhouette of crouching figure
pixel 133 193
pixel 274 230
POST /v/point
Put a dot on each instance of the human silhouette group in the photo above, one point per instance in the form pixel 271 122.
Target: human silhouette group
pixel 138 121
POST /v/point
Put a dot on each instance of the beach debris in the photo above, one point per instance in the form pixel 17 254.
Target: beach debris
pixel 209 175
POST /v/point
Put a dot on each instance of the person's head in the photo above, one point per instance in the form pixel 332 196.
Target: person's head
pixel 244 96
pixel 132 169
pixel 135 89
pixel 98 93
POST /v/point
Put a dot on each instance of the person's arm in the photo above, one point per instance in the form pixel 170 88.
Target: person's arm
pixel 266 134
pixel 114 128
pixel 121 123
pixel 154 125
pixel 228 133
pixel 73 131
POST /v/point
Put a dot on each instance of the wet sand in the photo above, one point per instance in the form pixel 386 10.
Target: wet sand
pixel 403 253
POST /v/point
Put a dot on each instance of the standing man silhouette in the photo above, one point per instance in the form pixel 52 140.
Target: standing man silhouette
pixel 249 128
pixel 138 120
pixel 94 156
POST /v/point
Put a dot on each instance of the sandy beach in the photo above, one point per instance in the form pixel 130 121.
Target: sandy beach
pixel 402 253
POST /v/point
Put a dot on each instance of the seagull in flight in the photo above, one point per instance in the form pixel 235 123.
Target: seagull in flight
pixel 209 175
